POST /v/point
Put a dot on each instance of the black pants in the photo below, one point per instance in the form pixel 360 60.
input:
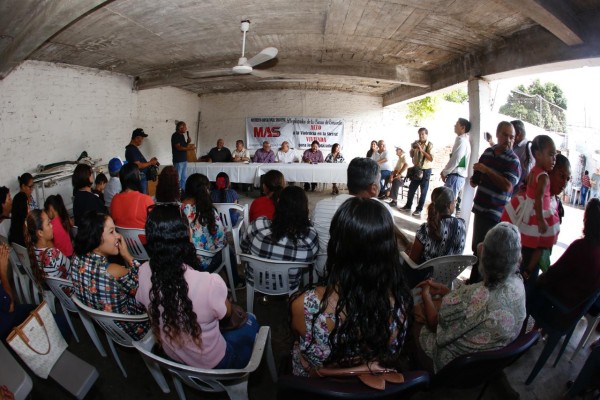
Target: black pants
pixel 481 226
pixel 412 189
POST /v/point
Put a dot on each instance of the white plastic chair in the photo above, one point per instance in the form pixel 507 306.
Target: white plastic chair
pixel 134 243
pixel 21 279
pixel 37 296
pixel 445 268
pixel 270 277
pixel 232 381
pixel 319 266
pixel 592 322
pixel 225 263
pixel 57 286
pixel 224 213
pixel 114 333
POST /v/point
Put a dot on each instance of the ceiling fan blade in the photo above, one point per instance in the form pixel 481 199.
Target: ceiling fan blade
pixel 261 73
pixel 207 74
pixel 265 55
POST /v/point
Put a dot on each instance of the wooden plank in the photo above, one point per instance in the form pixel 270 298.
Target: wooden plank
pixel 47 19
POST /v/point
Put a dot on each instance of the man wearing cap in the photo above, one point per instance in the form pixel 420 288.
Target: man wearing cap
pixel 114 183
pixel 397 178
pixel 134 155
pixel 179 147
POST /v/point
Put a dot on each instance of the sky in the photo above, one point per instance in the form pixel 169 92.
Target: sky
pixel 581 87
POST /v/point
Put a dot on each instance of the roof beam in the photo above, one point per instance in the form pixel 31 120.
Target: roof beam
pixel 44 20
pixel 379 72
pixel 556 16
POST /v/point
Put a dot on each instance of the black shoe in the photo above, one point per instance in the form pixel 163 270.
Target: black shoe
pixel 306 188
pixel 393 203
pixel 405 208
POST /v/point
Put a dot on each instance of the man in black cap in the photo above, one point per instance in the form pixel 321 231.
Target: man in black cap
pixel 134 155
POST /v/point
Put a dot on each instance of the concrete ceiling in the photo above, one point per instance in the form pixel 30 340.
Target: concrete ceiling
pixel 396 49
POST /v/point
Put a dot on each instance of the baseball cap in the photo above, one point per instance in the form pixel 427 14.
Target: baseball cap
pixel 138 132
pixel 114 165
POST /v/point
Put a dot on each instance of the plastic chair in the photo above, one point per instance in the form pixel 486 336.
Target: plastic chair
pixel 470 370
pixel 592 321
pixel 319 266
pixel 13 375
pixel 269 277
pixel 74 375
pixel 292 387
pixel 224 210
pixel 232 381
pixel 556 320
pixel 114 333
pixel 38 294
pixel 20 277
pixel 57 286
pixel 134 242
pixel 445 268
pixel 225 263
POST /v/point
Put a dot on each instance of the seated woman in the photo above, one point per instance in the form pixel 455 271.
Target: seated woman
pixel 129 208
pixel 441 235
pixel 224 194
pixel 576 274
pixel 167 188
pixel 335 157
pixel 184 304
pixel 83 198
pixel 5 210
pixel 46 260
pixel 272 183
pixel 361 255
pixel 22 203
pixel 100 284
pixel 483 316
pixel 208 232
pixel 61 223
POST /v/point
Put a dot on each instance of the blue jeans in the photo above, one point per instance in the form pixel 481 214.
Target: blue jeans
pixel 143 183
pixel 456 183
pixel 239 345
pixel 412 189
pixel 584 192
pixel 182 172
pixel 385 174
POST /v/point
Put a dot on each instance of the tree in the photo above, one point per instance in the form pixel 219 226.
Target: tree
pixel 421 110
pixel 456 96
pixel 541 105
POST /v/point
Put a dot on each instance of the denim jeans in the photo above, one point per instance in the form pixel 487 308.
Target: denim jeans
pixel 239 345
pixel 182 172
pixel 412 189
pixel 584 192
pixel 456 183
pixel 385 174
pixel 143 183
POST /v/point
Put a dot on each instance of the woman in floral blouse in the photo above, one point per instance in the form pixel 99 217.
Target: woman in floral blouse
pixel 100 284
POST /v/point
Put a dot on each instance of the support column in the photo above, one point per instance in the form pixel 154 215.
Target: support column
pixel 479 110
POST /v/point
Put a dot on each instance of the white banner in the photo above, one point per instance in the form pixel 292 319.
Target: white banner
pixel 300 132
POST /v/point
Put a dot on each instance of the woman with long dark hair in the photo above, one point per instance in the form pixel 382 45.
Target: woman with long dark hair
pixel 335 157
pixel 129 208
pixel 100 284
pixel 372 149
pixel 184 304
pixel 272 183
pixel 361 314
pixel 84 199
pixel 208 232
pixel 61 223
pixel 167 188
pixel 22 203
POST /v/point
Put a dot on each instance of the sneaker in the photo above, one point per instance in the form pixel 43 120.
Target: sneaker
pixel 417 213
pixel 405 208
pixel 393 203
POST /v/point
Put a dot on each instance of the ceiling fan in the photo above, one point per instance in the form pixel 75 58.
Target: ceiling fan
pixel 244 65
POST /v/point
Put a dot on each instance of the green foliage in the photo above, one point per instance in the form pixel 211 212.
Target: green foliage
pixel 420 110
pixel 537 104
pixel 456 96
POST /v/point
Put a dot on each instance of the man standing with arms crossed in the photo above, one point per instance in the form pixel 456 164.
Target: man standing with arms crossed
pixel 455 172
pixel 179 147
pixel 496 173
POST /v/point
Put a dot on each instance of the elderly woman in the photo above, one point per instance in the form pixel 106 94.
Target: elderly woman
pixel 348 322
pixel 483 316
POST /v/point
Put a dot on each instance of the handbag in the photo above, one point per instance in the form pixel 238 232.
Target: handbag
pixel 38 341
pixel 236 320
pixel 371 374
pixel 152 173
pixel 414 173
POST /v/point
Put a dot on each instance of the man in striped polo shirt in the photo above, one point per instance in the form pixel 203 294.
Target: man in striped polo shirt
pixel 497 171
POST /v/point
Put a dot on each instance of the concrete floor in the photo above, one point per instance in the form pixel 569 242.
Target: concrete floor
pixel 550 383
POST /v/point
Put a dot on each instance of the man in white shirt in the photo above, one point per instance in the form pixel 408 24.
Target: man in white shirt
pixel 114 183
pixel 285 155
pixel 456 171
pixel 385 163
pixel 363 181
pixel 240 154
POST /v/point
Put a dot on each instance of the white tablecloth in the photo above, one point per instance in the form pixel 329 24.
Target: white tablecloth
pixel 250 173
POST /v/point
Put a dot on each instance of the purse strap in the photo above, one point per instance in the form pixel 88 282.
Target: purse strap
pixel 24 338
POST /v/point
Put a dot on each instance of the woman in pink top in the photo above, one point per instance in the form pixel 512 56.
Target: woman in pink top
pixel 61 224
pixel 129 208
pixel 185 305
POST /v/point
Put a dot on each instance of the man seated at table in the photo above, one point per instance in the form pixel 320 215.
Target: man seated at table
pixel 220 153
pixel 264 155
pixel 285 155
pixel 240 154
pixel 312 156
